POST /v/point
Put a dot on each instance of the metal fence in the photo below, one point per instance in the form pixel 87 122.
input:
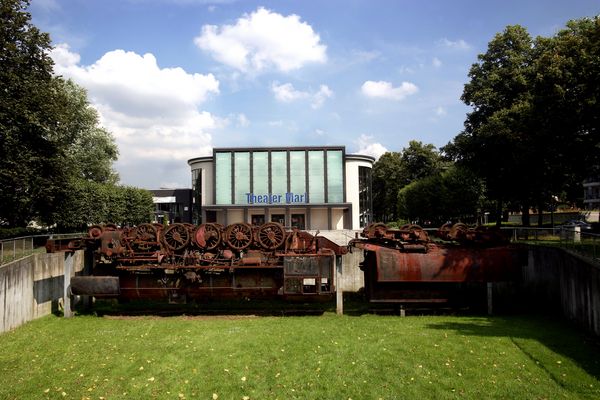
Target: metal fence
pixel 572 239
pixel 16 248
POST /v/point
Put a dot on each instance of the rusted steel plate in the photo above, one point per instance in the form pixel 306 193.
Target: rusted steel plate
pixel 448 264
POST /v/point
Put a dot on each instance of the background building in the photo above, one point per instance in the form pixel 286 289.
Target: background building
pixel 304 187
pixel 591 193
pixel 176 204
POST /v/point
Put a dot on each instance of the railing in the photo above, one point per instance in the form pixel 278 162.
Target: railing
pixel 572 239
pixel 16 248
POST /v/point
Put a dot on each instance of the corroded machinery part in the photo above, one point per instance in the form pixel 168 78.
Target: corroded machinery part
pixel 95 231
pixel 271 235
pixel 207 236
pixel 177 236
pixel 375 230
pixel 238 236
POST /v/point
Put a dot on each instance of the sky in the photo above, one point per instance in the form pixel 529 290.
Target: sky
pixel 173 79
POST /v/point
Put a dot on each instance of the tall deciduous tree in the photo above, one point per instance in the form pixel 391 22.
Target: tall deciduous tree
pixel 533 131
pixel 387 180
pixel 496 140
pixel 395 170
pixel 30 156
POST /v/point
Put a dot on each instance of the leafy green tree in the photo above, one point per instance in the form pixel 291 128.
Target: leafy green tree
pixel 395 170
pixel 495 142
pixel 30 155
pixel 533 131
pixel 387 180
pixel 420 160
pixel 454 195
pixel 566 101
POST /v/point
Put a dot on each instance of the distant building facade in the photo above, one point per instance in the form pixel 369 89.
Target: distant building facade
pixel 591 193
pixel 175 204
pixel 305 187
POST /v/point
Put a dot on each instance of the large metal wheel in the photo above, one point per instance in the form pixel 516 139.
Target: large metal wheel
pixel 145 237
pixel 238 236
pixel 176 237
pixel 271 235
pixel 146 233
pixel 207 236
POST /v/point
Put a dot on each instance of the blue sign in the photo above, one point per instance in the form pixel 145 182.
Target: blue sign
pixel 272 198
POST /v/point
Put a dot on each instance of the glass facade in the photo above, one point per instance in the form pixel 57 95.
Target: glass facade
pixel 278 173
pixel 365 199
pixel 260 172
pixel 298 171
pixel 316 176
pixel 335 176
pixel 197 196
pixel 223 178
pixel 241 170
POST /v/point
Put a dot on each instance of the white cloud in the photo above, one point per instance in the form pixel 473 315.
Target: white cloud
pixel 242 120
pixel 286 93
pixel 277 123
pixel 385 90
pixel 322 94
pixel 440 111
pixel 436 62
pixel 454 44
pixel 263 40
pixel 368 147
pixel 152 112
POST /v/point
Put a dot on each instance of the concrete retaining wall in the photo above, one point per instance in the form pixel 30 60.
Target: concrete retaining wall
pixel 556 279
pixel 33 286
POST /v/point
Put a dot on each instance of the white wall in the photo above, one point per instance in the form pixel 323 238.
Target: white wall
pixel 235 216
pixel 337 219
pixel 352 187
pixel 318 218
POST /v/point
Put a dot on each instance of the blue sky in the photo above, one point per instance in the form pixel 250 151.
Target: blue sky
pixel 171 79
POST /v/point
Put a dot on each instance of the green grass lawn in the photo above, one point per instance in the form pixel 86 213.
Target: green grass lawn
pixel 323 357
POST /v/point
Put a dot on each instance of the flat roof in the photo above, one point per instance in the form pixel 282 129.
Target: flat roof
pixel 359 157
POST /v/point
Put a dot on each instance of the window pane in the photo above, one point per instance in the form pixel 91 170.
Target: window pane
pixel 297 172
pixel 223 177
pixel 279 173
pixel 335 179
pixel 260 173
pixel 316 177
pixel 242 177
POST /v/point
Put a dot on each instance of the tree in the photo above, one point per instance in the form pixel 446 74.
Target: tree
pixel 533 131
pixel 92 149
pixel 52 148
pixel 456 195
pixel 567 105
pixel 30 157
pixel 420 160
pixel 394 170
pixel 387 180
pixel 495 142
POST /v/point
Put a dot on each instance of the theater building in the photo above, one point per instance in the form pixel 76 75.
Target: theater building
pixel 304 187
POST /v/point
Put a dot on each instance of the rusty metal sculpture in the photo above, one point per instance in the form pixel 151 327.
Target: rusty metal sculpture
pixel 183 261
pixel 404 265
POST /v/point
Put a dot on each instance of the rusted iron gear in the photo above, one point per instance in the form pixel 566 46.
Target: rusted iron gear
pixel 95 231
pixel 271 235
pixel 146 233
pixel 375 230
pixel 177 236
pixel 207 236
pixel 238 236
